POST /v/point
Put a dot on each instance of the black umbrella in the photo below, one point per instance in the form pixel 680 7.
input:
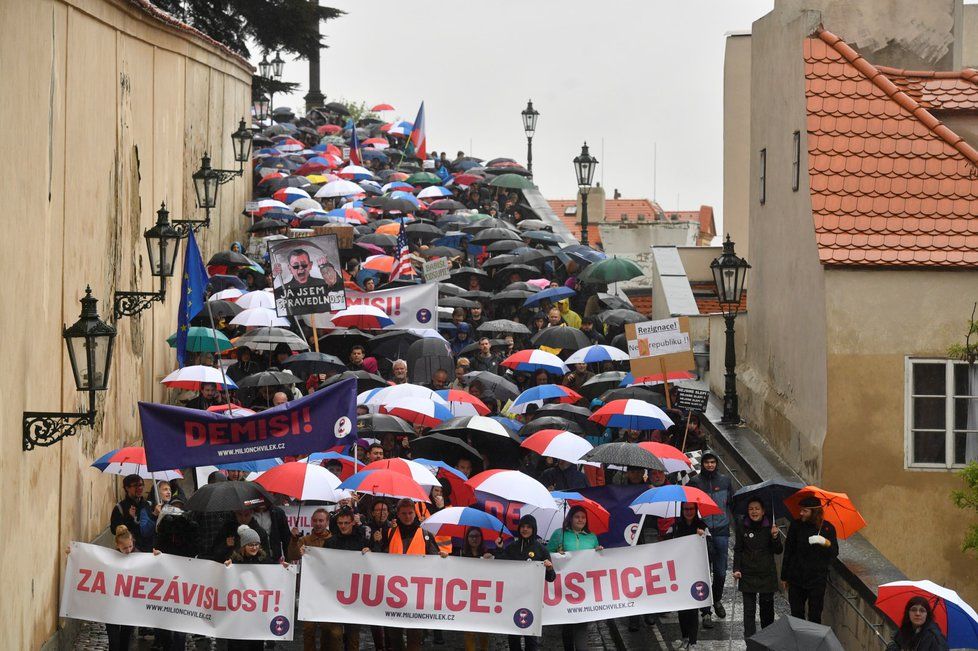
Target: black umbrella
pixel 474 346
pixel 503 260
pixel 228 259
pixel 310 363
pixel 504 326
pixel 383 423
pixel 423 232
pixel 534 225
pixel 550 422
pixel 600 383
pixel 504 245
pixel 535 256
pixel 563 337
pixel 219 309
pixel 365 381
pixel 337 108
pixel 617 318
pixel 771 493
pixel 613 302
pixel 391 205
pixel 442 447
pixel 426 356
pixel 523 286
pixel 449 205
pixel 489 436
pixel 494 385
pixel 448 289
pixel 220 282
pixel 579 415
pixel 393 344
pixel 379 239
pixel 793 634
pixel 344 339
pixel 519 295
pixel 543 236
pixel 268 379
pixel 461 276
pixel 524 271
pixel 489 235
pixel 624 454
pixel 457 301
pixel 229 496
pixel 267 225
pixel 473 294
pixel 439 252
pixel 645 394
pixel 484 223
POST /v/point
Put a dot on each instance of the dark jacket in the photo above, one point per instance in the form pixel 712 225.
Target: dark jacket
pixel 355 542
pixel 177 534
pixel 718 487
pixel 279 533
pixel 682 528
pixel 806 565
pixel 754 552
pixel 929 638
pixel 527 549
pixel 479 363
pixel 220 551
pixel 142 527
pixel 562 480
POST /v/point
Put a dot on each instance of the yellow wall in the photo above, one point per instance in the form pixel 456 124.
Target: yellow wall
pixel 106 113
pixel 875 319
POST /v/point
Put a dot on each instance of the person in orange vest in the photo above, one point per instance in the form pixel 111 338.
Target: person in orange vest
pixel 407 537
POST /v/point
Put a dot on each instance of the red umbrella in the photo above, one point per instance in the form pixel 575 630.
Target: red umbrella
pixel 672 458
pixel 329 129
pixel 385 483
pixel 382 107
pixel 559 444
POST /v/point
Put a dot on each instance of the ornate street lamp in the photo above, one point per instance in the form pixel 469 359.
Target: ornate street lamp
pixel 241 141
pixel 584 166
pixel 261 106
pixel 89 342
pixel 264 67
pixel 162 242
pixel 530 116
pixel 277 64
pixel 729 274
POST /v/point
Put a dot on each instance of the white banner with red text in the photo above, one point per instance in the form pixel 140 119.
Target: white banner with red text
pixel 413 306
pixel 244 602
pixel 451 594
pixel 661 577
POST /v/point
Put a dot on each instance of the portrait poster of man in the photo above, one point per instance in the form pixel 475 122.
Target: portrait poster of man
pixel 308 278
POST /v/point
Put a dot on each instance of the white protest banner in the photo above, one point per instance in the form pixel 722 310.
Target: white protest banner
pixel 452 594
pixel 436 270
pixel 654 338
pixel 409 307
pixel 190 595
pixel 625 581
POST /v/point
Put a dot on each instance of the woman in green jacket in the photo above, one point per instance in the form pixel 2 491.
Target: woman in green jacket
pixel 572 537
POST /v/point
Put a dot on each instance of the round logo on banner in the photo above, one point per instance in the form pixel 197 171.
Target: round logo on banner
pixel 523 618
pixel 700 591
pixel 630 532
pixel 342 427
pixel 279 625
pixel 423 315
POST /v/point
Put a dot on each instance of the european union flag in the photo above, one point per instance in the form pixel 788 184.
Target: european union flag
pixel 444 174
pixel 192 294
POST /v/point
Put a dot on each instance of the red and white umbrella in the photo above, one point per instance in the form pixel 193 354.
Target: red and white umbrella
pixel 418 411
pixel 259 316
pixel 355 172
pixel 265 205
pixel 340 188
pixel 530 360
pixel 302 481
pixel 132 461
pixel 671 457
pixel 289 194
pixel 382 107
pixel 550 520
pixel 231 294
pixel 389 395
pixel 412 469
pixel 559 444
pixel 192 377
pixel 632 414
pixel 385 483
pixel 257 298
pixel 364 317
pixel 597 353
pixel 514 486
pixel 463 403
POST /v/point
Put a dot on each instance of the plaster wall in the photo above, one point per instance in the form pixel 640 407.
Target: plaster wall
pixel 875 319
pixel 108 111
pixel 736 141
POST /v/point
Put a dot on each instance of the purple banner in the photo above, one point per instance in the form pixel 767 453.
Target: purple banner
pixel 177 437
pixel 623 523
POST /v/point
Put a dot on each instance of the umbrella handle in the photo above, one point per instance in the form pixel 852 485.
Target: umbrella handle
pixel 217 355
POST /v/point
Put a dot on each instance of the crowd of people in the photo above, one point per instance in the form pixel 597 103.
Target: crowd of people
pixel 502 257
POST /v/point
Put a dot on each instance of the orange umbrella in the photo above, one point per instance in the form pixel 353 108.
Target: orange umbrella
pixel 382 263
pixel 389 229
pixel 837 507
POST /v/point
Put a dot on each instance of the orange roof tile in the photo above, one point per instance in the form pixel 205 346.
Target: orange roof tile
pixel 890 184
pixel 952 90
pixel 642 302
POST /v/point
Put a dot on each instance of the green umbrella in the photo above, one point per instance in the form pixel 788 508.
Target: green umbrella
pixel 424 178
pixel 611 270
pixel 201 340
pixel 512 181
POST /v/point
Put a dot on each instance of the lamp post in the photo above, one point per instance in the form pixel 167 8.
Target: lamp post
pixel 162 242
pixel 208 179
pixel 260 107
pixel 89 341
pixel 729 274
pixel 584 166
pixel 530 116
pixel 264 67
pixel 277 66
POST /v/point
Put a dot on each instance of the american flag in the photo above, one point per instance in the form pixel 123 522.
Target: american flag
pixel 402 266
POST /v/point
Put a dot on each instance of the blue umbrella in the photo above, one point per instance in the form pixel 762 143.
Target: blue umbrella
pixel 508 423
pixel 552 294
pixel 260 465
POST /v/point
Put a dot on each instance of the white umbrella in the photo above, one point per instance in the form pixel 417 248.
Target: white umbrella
pixel 267 338
pixel 259 298
pixel 302 481
pixel 229 294
pixel 259 316
pixel 191 377
pixel 390 395
pixel 514 486
pixel 341 188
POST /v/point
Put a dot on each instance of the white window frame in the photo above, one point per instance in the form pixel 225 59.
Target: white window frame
pixel 949 398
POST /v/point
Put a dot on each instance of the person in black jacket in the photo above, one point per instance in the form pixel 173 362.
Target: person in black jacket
pixel 273 520
pixel 349 536
pixel 808 551
pixel 757 541
pixel 918 631
pixel 527 547
pixel 136 513
pixel 689 524
pixel 228 538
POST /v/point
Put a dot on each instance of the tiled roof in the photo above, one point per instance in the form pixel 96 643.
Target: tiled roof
pixel 572 223
pixel 890 184
pixel 631 209
pixel 708 227
pixel 641 301
pixel 705 295
pixel 953 90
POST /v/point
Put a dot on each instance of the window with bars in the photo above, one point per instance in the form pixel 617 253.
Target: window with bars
pixel 796 161
pixel 941 413
pixel 763 176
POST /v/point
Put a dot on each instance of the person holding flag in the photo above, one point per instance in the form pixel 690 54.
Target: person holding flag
pixel 402 265
pixel 417 144
pixel 193 295
pixel 355 157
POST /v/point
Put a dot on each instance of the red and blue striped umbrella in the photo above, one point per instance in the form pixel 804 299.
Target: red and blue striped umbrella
pixel 419 411
pixel 455 521
pixel 558 444
pixel 530 360
pixel 597 353
pixel 632 414
pixel 514 486
pixel 385 483
pixel 462 403
pixel 536 395
pixel 132 461
pixel 956 619
pixel 364 317
pixel 666 501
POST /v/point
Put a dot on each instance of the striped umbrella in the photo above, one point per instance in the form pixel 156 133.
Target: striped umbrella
pixel 385 483
pixel 632 414
pixel 666 501
pixel 597 353
pixel 530 360
pixel 559 444
pixel 536 395
pixel 132 461
pixel 426 413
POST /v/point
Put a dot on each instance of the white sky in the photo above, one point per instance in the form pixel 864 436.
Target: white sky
pixel 632 76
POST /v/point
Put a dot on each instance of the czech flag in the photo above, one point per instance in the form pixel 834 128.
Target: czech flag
pixel 355 157
pixel 417 143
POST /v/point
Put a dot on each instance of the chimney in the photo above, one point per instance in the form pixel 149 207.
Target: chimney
pixel 617 194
